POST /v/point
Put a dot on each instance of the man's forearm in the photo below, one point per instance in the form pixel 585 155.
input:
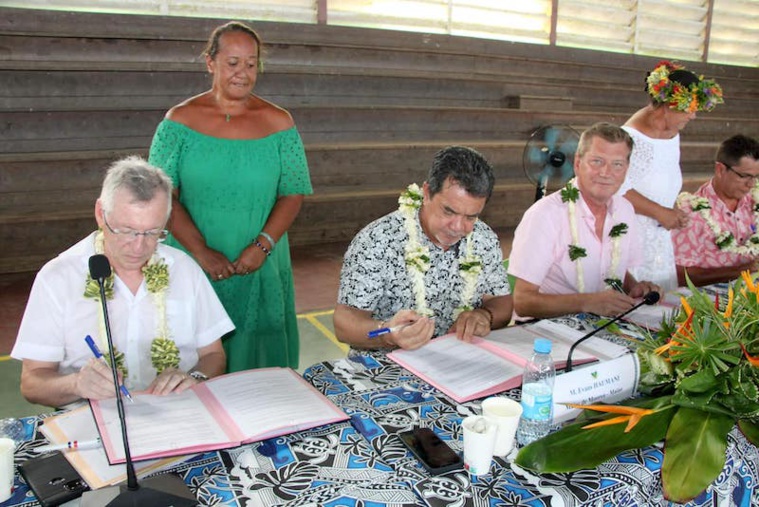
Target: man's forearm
pixel 50 388
pixel 501 308
pixel 706 276
pixel 212 365
pixel 353 326
pixel 542 306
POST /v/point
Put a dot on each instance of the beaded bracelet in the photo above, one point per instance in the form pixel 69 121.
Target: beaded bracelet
pixel 490 314
pixel 268 238
pixel 262 247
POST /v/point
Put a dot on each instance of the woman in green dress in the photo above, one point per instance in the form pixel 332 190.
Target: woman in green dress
pixel 240 174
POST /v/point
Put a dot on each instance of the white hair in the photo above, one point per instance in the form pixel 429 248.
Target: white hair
pixel 137 177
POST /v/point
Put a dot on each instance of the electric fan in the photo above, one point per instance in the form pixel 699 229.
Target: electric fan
pixel 549 156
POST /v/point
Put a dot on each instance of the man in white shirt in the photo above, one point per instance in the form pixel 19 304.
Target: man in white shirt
pixel 165 318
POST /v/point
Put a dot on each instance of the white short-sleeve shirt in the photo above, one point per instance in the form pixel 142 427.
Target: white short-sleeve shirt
pixel 58 316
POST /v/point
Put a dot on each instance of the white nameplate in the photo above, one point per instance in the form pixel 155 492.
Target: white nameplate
pixel 606 381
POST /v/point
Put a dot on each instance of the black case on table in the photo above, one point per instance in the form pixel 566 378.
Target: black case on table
pixel 52 479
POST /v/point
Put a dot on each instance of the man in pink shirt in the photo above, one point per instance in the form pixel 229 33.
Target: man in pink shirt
pixel 573 249
pixel 721 239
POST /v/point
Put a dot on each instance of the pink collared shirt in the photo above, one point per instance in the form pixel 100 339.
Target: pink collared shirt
pixel 695 245
pixel 540 251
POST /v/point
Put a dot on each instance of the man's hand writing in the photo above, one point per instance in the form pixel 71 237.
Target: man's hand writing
pixel 608 303
pixel 640 289
pixel 171 381
pixel 95 380
pixel 413 330
pixel 470 324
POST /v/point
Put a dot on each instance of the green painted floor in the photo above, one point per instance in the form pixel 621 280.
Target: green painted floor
pixel 316 338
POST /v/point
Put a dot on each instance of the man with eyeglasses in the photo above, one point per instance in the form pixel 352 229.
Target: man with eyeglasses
pixel 165 318
pixel 573 249
pixel 721 239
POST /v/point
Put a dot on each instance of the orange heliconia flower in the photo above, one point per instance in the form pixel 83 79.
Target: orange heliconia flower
pixel 729 308
pixel 684 331
pixel 746 275
pixel 686 306
pixel 753 360
pixel 632 416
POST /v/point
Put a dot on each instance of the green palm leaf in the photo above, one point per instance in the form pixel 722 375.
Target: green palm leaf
pixel 694 452
pixel 580 449
pixel 750 430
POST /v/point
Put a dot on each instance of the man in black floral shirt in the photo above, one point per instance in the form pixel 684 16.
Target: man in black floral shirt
pixel 430 268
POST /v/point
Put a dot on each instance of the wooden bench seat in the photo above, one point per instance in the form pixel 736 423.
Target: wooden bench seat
pixel 80 90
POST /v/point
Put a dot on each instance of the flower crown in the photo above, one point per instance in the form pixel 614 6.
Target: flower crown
pixel 701 96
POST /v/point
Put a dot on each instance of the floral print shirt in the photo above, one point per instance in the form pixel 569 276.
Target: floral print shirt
pixel 374 275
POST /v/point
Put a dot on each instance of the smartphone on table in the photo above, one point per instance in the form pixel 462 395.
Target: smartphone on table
pixel 52 479
pixel 434 454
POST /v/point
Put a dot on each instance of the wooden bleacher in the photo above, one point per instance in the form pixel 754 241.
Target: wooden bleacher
pixel 81 90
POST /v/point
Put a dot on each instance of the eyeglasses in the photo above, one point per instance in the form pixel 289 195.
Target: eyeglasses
pixel 615 165
pixel 128 235
pixel 743 176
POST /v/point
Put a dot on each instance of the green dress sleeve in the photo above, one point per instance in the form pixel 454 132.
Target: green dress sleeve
pixel 294 177
pixel 166 149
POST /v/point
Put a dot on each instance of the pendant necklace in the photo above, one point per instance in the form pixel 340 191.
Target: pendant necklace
pixel 227 117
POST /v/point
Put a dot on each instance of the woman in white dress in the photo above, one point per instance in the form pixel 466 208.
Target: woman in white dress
pixel 654 178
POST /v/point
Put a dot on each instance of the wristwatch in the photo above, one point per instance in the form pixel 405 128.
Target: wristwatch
pixel 198 375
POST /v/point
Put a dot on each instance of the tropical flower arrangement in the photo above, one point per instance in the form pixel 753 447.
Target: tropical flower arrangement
pixel 701 96
pixel 699 377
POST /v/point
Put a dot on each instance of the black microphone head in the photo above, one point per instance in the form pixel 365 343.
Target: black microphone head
pixel 100 268
pixel 651 298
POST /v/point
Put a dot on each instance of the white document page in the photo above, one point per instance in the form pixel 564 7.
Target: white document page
pixel 271 400
pixel 162 423
pixel 92 464
pixel 519 340
pixel 564 336
pixel 650 317
pixel 461 368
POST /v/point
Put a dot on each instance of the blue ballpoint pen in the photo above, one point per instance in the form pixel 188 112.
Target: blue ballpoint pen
pixel 99 355
pixel 386 330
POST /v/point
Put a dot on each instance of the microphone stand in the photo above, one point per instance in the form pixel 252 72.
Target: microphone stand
pixel 161 490
pixel 132 484
pixel 649 299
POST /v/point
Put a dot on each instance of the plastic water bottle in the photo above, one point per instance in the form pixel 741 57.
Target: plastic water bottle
pixel 537 394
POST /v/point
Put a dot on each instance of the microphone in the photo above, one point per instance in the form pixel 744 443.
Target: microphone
pixel 164 489
pixel 649 299
pixel 100 269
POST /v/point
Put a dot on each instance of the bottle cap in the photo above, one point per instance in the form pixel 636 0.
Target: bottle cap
pixel 542 345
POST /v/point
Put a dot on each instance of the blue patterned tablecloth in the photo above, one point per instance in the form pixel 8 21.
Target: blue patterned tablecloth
pixel 383 399
pixel 361 462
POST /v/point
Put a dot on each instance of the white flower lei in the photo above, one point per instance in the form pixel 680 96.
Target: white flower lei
pixel 569 195
pixel 163 350
pixel 417 257
pixel 725 240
